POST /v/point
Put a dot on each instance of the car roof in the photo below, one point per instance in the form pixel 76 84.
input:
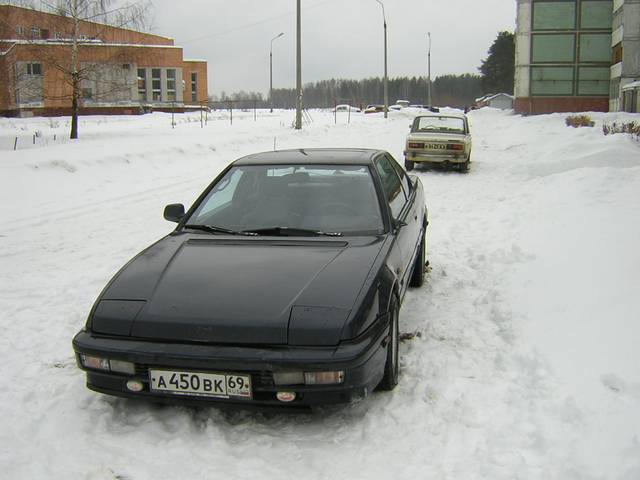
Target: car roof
pixel 313 156
pixel 452 115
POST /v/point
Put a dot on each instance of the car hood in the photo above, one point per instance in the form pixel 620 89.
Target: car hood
pixel 189 287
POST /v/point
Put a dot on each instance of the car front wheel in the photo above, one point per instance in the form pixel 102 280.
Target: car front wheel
pixel 392 365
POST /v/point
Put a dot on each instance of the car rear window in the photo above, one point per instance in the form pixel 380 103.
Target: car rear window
pixel 440 124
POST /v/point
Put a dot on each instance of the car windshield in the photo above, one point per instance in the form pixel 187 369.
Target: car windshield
pixel 289 198
pixel 442 124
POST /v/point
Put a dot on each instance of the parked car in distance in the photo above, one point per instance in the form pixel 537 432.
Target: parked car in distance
pixel 443 139
pixel 281 285
pixel 426 107
pixel 345 108
pixel 374 109
pixel 402 103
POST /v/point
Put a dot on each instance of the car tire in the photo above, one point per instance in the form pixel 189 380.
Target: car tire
pixel 392 365
pixel 465 165
pixel 409 165
pixel 417 277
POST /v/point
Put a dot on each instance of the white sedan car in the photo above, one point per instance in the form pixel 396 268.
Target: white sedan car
pixel 442 139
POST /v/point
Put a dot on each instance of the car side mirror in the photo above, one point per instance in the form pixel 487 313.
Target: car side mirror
pixel 174 212
pixel 398 224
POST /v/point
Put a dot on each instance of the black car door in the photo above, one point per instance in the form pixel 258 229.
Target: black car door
pixel 415 212
pixel 400 211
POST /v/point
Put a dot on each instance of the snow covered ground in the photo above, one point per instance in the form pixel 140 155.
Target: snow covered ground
pixel 527 364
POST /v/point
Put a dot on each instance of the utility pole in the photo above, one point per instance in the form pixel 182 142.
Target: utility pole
pixel 429 74
pixel 271 70
pixel 386 79
pixel 298 71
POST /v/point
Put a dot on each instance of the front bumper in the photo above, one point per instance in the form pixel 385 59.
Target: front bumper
pixel 421 156
pixel 362 361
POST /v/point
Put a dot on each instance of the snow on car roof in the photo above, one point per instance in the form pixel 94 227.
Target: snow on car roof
pixel 461 116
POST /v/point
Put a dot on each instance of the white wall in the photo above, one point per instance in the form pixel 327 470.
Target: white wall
pixel 523 49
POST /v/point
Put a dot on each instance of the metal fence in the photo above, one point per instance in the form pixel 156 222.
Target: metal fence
pixel 31 140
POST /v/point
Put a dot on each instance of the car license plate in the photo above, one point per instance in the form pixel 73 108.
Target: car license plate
pixel 209 384
pixel 435 146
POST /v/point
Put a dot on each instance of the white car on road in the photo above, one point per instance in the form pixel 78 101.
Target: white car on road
pixel 442 139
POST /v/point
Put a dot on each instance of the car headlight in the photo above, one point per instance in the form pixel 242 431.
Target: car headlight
pixel 323 378
pixel 122 367
pixel 316 326
pixel 288 378
pixel 100 363
pixel 308 378
pixel 97 363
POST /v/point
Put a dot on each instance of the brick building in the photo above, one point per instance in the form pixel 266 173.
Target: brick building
pixel 122 71
pixel 576 55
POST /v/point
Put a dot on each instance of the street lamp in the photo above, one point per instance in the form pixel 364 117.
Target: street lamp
pixel 386 80
pixel 298 67
pixel 429 74
pixel 271 70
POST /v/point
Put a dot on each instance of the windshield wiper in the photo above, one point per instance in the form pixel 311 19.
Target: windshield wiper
pixel 290 232
pixel 214 229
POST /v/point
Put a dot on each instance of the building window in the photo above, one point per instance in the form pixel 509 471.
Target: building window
pixel 156 85
pixel 171 85
pixel 549 81
pixel 194 86
pixel 87 94
pixel 616 56
pixel 595 47
pixel 558 15
pixel 630 101
pixel 596 14
pixel 553 48
pixel 20 31
pixel 34 69
pixel 142 84
pixel 35 32
pixel 593 81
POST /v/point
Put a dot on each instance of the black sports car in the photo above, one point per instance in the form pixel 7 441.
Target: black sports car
pixel 281 285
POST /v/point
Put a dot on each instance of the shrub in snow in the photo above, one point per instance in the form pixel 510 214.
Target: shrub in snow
pixel 576 121
pixel 632 128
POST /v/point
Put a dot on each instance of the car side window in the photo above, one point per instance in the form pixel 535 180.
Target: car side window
pixel 391 185
pixel 406 183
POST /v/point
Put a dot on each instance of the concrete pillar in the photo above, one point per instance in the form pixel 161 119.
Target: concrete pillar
pixel 522 81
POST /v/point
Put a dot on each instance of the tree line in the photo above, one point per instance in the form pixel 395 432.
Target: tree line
pixel 496 76
pixel 446 90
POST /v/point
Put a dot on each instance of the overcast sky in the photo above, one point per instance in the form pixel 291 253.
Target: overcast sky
pixel 340 38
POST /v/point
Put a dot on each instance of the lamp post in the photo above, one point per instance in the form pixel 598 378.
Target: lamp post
pixel 386 80
pixel 298 68
pixel 429 71
pixel 271 70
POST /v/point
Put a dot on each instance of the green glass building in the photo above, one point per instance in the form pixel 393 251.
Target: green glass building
pixel 564 55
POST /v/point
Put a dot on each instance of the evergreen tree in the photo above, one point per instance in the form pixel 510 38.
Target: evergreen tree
pixel 448 90
pixel 498 68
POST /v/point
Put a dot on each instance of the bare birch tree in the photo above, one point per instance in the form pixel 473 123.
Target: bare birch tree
pixel 101 14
